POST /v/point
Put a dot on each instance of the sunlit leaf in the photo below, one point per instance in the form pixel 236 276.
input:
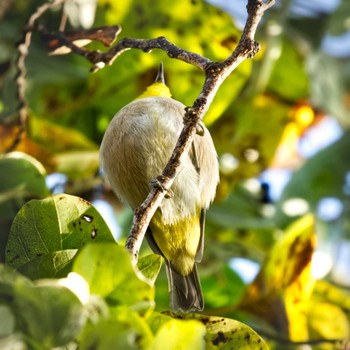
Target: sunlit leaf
pixel 192 26
pixel 328 321
pixel 108 270
pixel 296 298
pixel 225 333
pixel 284 279
pixel 43 228
pixel 150 265
pixel 179 334
pixel 332 294
pixel 45 132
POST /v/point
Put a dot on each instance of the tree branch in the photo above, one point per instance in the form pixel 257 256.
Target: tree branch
pixel 216 73
pixel 23 49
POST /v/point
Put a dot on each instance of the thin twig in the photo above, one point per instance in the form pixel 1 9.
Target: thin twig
pixel 285 341
pixel 216 73
pixel 23 50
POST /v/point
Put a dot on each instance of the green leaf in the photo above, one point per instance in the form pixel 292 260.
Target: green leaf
pixel 21 177
pixel 108 270
pixel 224 333
pixel 222 288
pixel 156 320
pixel 49 323
pixel 289 78
pixel 43 229
pixel 10 281
pixel 47 315
pixel 194 25
pixel 328 321
pixel 44 132
pixel 56 264
pixel 150 266
pixel 179 334
pixel 7 321
pixel 70 164
pixel 125 330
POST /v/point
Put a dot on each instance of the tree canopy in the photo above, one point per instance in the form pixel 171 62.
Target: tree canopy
pixel 275 272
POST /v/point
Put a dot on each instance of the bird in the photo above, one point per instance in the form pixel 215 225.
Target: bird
pixel 135 149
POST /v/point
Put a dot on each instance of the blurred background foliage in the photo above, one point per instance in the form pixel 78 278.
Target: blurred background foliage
pixel 280 125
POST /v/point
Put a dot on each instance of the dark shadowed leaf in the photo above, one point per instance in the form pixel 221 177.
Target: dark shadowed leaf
pixel 48 315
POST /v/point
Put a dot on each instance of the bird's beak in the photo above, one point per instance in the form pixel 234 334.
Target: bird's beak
pixel 160 75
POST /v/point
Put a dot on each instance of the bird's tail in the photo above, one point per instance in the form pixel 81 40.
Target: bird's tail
pixel 185 291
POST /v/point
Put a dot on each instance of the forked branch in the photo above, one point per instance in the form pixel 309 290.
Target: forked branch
pixel 215 74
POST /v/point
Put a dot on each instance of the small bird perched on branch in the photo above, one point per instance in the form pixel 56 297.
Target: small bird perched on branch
pixel 135 149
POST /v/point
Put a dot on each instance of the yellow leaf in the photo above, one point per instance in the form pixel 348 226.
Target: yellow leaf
pixel 296 301
pixel 284 283
pixel 328 321
pixel 180 335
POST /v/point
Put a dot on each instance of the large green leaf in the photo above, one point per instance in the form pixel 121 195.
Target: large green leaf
pixel 47 315
pixel 21 178
pixel 46 234
pixel 108 270
pixel 54 264
pixel 178 334
pixel 125 329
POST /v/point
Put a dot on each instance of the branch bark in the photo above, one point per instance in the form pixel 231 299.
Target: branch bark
pixel 23 50
pixel 215 74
